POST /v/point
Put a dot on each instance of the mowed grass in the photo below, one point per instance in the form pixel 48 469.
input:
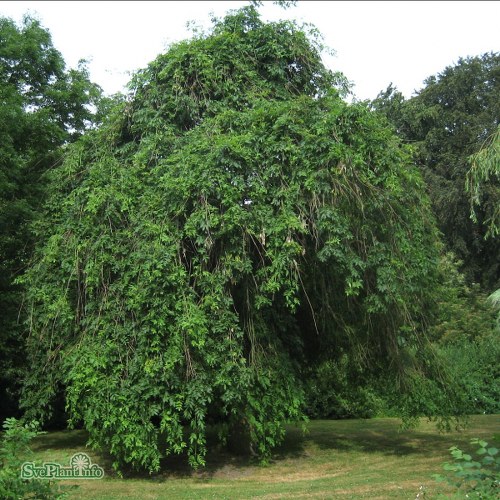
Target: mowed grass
pixel 335 459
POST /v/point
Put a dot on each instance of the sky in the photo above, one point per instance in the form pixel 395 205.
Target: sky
pixel 375 42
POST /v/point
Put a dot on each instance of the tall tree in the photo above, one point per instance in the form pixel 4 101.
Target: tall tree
pixel 484 177
pixel 231 223
pixel 44 106
pixel 448 121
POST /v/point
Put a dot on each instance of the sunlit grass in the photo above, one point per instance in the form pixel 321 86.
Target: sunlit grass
pixel 335 459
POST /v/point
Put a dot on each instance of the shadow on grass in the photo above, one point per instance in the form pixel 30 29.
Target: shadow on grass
pixel 362 436
pixel 61 440
pixel 384 436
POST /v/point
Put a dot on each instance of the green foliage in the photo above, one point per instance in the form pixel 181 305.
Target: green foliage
pixel 14 450
pixel 231 223
pixel 432 392
pixel 465 350
pixel 463 312
pixel 43 107
pixel 463 331
pixel 337 389
pixel 494 300
pixel 484 176
pixel 285 4
pixel 447 122
pixel 475 369
pixel 474 476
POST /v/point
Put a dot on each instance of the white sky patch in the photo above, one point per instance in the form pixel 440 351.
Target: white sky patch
pixel 376 43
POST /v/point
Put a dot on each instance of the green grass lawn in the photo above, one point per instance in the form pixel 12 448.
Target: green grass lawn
pixel 336 459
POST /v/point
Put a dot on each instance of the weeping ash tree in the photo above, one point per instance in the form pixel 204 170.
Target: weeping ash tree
pixel 232 223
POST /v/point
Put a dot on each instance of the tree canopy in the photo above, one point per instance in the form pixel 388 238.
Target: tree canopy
pixel 449 120
pixel 233 221
pixel 484 175
pixel 43 106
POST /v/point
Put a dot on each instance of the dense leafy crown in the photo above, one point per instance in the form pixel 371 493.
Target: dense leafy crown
pixel 234 221
pixel 449 120
pixel 484 175
pixel 43 105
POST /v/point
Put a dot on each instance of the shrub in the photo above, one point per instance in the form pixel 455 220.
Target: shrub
pixel 475 477
pixel 474 365
pixel 336 389
pixel 14 450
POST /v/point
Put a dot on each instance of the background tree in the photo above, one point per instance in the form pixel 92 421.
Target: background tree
pixel 448 121
pixel 233 222
pixel 44 106
pixel 484 176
